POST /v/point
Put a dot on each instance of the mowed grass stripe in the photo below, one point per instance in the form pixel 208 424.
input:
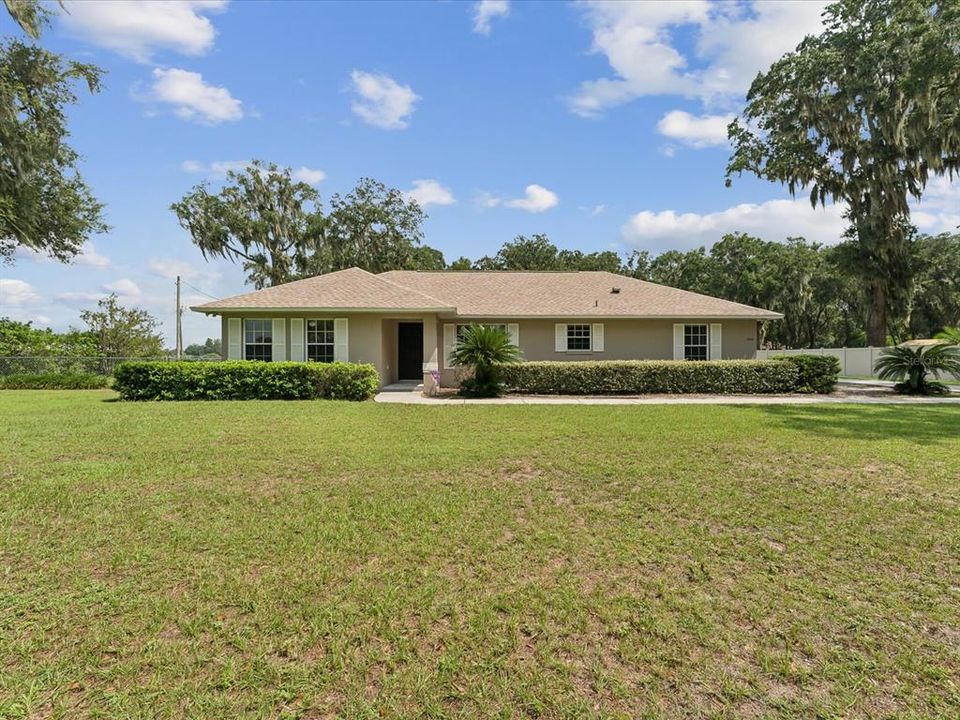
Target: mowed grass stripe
pixel 321 559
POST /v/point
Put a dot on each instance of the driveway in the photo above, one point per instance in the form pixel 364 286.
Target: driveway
pixel 848 392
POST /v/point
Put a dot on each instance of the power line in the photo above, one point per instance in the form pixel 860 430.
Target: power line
pixel 193 287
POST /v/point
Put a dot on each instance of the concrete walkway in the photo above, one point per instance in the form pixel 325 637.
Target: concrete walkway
pixel 874 383
pixel 846 394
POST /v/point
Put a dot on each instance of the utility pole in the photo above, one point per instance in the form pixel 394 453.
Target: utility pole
pixel 179 328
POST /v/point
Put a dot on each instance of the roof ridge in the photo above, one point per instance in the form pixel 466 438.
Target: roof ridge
pixel 410 289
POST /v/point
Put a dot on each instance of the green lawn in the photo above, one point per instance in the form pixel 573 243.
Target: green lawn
pixel 320 559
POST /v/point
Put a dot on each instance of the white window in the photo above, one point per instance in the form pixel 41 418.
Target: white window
pixel 258 339
pixel 695 342
pixel 578 337
pixel 320 340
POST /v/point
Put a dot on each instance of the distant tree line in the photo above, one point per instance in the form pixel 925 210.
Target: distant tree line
pixel 209 349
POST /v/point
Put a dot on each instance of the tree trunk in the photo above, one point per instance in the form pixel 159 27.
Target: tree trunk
pixel 876 314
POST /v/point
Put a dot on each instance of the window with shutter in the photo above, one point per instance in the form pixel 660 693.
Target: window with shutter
pixel 258 339
pixel 320 344
pixel 578 337
pixel 296 340
pixel 449 343
pixel 598 337
pixel 716 341
pixel 341 340
pixel 234 339
pixel 695 344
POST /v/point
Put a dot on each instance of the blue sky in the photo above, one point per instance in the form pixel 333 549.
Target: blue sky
pixel 600 124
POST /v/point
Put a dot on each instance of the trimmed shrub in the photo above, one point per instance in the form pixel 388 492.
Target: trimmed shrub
pixel 245 380
pixel 639 377
pixel 816 373
pixel 53 381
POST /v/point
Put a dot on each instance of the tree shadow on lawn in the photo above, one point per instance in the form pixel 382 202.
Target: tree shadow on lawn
pixel 923 424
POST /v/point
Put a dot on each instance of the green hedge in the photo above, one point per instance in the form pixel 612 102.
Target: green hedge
pixel 638 377
pixel 245 380
pixel 53 381
pixel 816 373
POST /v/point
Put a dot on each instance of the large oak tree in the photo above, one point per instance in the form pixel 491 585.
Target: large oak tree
pixel 259 218
pixel 278 229
pixel 862 114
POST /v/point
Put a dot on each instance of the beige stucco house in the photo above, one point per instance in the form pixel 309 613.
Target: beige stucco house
pixel 406 322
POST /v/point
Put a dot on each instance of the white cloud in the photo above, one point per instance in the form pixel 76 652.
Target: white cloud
pixel 381 101
pixel 430 192
pixel 939 210
pixel 78 298
pixel 484 199
pixel 217 168
pixel 597 210
pixel 193 166
pixel 124 288
pixel 91 258
pixel 536 199
pixel 771 220
pixel 193 98
pixel 695 131
pixel 310 176
pixel 738 45
pixel 169 269
pixel 16 293
pixel 220 168
pixel 734 41
pixel 636 39
pixel 139 28
pixel 88 257
pixel 485 11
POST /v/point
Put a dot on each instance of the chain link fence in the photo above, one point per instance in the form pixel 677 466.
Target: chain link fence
pixel 52 364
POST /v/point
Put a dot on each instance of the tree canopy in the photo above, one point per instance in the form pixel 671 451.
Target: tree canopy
pixel 538 253
pixel 373 227
pixel 22 339
pixel 209 347
pixel 121 332
pixel 862 114
pixel 31 15
pixel 45 204
pixel 278 229
pixel 260 218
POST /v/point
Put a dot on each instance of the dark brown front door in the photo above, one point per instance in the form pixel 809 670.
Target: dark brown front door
pixel 410 351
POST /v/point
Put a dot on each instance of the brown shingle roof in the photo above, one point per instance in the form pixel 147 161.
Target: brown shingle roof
pixel 567 294
pixel 350 289
pixel 491 295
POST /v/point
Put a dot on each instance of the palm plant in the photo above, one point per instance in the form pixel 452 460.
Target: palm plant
pixel 482 347
pixel 913 365
pixel 950 335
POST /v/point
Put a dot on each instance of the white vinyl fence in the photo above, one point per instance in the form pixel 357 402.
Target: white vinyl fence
pixel 854 362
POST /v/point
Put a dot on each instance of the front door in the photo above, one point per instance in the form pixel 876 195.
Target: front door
pixel 410 351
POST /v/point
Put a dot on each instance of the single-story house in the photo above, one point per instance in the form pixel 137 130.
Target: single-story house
pixel 406 322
